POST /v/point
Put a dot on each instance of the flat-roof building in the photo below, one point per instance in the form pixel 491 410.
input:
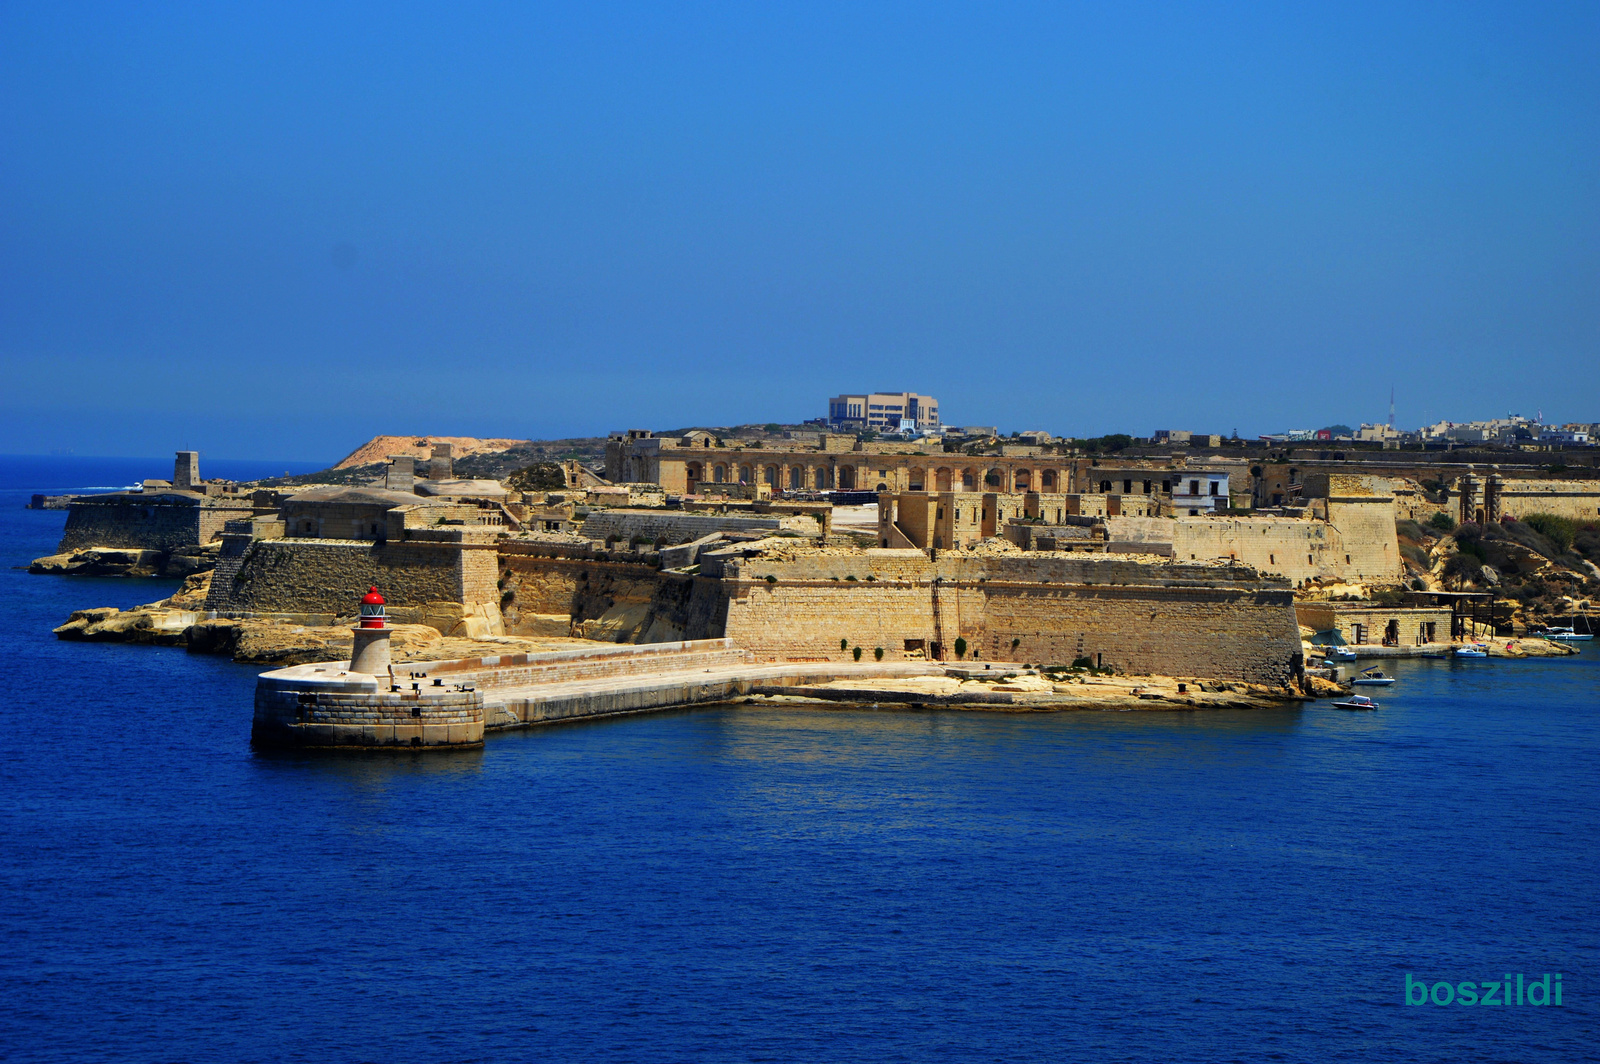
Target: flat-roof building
pixel 883 411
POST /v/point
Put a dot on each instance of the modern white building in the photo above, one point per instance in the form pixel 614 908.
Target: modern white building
pixel 883 411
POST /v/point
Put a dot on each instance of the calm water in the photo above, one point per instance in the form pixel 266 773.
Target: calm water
pixel 742 884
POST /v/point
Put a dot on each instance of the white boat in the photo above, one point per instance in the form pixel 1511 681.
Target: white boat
pixel 1373 678
pixel 1565 634
pixel 1471 651
pixel 1356 702
pixel 1341 654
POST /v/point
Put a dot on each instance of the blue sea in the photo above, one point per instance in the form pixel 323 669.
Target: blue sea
pixel 745 884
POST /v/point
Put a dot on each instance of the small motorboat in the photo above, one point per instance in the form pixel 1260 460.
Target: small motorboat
pixel 1373 678
pixel 1471 651
pixel 1356 702
pixel 1340 654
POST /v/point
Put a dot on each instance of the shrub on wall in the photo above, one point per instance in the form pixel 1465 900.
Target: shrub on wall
pixel 878 653
pixel 856 653
pixel 961 646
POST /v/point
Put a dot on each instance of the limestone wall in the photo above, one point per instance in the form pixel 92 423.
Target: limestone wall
pixel 1141 617
pixel 545 591
pixel 675 526
pixel 1576 499
pixel 1357 543
pixel 330 576
pixel 162 523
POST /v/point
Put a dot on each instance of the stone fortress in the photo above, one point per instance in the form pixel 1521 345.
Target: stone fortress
pixel 1175 564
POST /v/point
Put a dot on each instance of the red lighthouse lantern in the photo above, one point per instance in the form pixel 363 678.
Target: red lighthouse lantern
pixel 372 615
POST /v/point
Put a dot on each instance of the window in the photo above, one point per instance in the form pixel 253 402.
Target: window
pixel 1214 486
pixel 1194 487
pixel 1127 487
pixel 1147 487
pixel 1272 559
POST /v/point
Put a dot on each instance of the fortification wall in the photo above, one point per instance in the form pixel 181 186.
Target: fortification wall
pixel 146 524
pixel 1357 543
pixel 330 576
pixel 672 526
pixel 1576 499
pixel 546 591
pixel 1142 617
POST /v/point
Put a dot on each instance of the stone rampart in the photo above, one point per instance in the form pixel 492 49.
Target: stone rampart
pixel 671 526
pixel 163 522
pixel 330 576
pixel 1575 499
pixel 1137 614
pixel 1357 543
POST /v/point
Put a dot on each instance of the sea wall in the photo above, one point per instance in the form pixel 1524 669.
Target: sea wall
pixel 158 522
pixel 1137 615
pixel 335 711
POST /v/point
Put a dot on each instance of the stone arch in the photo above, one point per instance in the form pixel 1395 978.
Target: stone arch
pixel 719 473
pixel 746 475
pixel 1023 479
pixel 823 478
pixel 995 478
pixel 693 473
pixel 1049 480
pixel 797 478
pixel 770 475
pixel 847 478
pixel 969 480
pixel 941 478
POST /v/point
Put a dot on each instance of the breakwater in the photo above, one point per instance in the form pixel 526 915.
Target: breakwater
pixel 458 702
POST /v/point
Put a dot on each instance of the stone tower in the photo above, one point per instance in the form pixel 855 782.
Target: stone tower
pixel 186 472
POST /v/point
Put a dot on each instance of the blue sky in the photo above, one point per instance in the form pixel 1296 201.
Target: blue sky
pixel 274 231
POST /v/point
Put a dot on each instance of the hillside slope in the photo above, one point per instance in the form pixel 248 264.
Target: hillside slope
pixel 379 448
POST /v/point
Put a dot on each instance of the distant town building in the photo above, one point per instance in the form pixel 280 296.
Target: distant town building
pixel 884 412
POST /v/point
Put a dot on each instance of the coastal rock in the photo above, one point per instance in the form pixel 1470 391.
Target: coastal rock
pixel 1317 687
pixel 101 561
pixel 192 595
pixel 278 644
pixel 128 561
pixel 1528 648
pixel 152 625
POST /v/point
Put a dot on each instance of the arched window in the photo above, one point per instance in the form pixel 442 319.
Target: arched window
pixel 720 473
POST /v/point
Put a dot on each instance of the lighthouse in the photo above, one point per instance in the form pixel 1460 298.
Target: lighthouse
pixel 371 652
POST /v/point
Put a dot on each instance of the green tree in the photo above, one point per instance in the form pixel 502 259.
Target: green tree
pixel 1558 530
pixel 961 647
pixel 540 476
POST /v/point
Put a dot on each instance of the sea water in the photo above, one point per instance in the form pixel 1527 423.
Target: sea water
pixel 800 884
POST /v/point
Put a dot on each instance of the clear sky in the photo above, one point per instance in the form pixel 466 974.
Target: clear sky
pixel 274 231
